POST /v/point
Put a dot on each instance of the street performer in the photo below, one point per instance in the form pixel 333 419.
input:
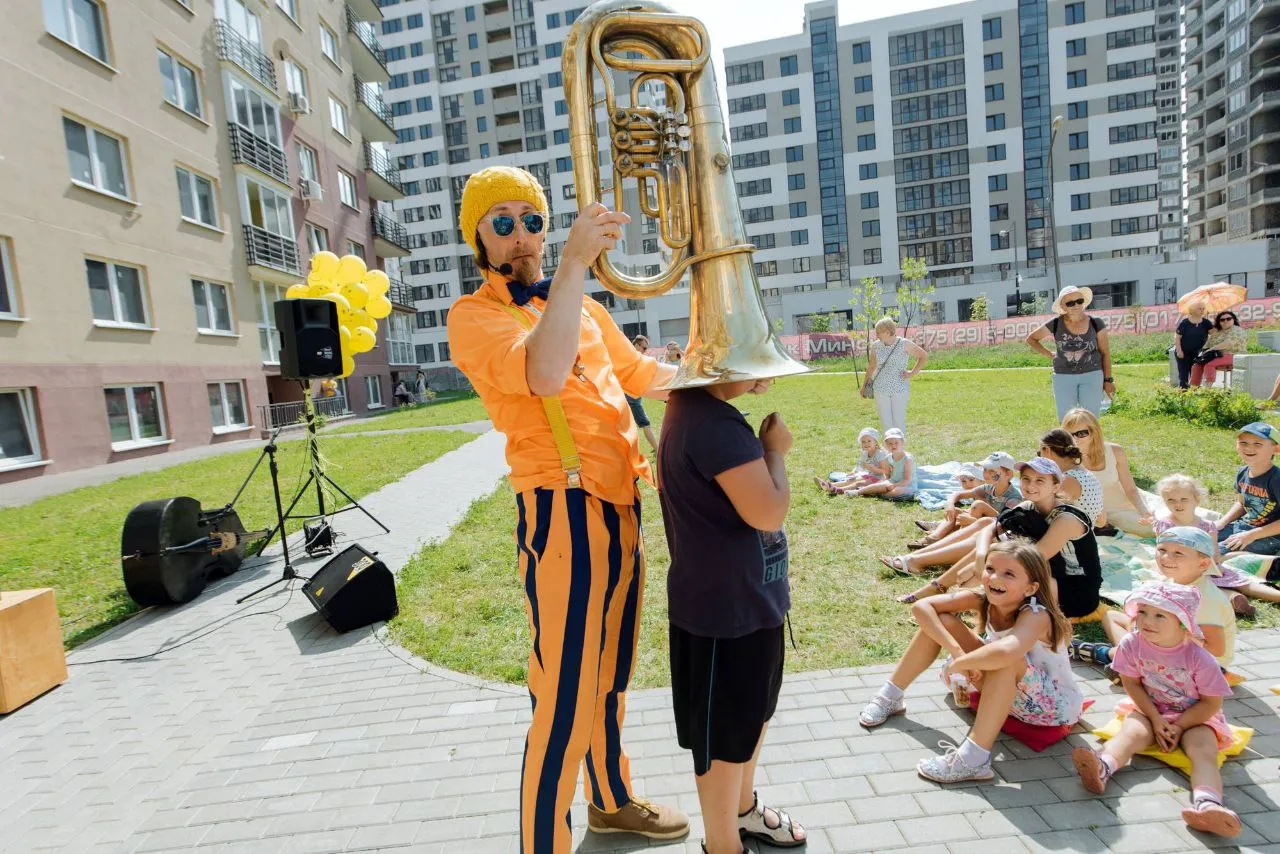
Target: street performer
pixel 551 368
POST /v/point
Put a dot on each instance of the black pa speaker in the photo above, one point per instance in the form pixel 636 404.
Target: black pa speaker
pixel 353 589
pixel 310 345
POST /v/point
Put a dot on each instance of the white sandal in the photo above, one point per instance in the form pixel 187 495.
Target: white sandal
pixel 753 825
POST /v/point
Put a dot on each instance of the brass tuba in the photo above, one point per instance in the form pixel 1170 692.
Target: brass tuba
pixel 680 155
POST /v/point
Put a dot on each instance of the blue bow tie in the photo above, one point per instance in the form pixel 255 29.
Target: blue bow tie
pixel 521 294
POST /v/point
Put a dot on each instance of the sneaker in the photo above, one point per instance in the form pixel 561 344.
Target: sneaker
pixel 880 709
pixel 641 817
pixel 950 768
pixel 1093 772
pixel 1208 817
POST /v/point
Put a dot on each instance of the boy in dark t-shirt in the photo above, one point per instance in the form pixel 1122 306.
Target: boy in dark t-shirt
pixel 724 497
pixel 1253 522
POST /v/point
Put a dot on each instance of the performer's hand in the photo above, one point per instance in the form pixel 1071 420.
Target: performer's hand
pixel 774 435
pixel 595 230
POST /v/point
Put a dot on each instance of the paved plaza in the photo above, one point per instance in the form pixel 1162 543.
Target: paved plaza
pixel 267 731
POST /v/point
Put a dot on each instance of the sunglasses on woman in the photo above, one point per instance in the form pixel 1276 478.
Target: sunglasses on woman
pixel 1081 434
pixel 1073 303
pixel 503 224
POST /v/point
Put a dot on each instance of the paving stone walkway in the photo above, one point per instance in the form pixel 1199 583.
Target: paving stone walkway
pixel 269 732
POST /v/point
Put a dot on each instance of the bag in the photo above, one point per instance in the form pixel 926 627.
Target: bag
pixel 1207 356
pixel 867 390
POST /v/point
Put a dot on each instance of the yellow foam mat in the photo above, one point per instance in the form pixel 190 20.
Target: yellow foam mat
pixel 1178 759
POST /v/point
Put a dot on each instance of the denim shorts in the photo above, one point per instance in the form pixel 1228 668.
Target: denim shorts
pixel 637 411
pixel 1264 546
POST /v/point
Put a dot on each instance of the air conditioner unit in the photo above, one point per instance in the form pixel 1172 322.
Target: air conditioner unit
pixel 299 104
pixel 312 190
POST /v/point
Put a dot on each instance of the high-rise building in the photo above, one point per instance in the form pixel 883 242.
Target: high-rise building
pixel 1232 65
pixel 174 166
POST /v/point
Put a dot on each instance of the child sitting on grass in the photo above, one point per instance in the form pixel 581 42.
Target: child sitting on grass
pixel 997 492
pixel 1175 693
pixel 873 465
pixel 1253 522
pixel 1182 497
pixel 1184 555
pixel 901 482
pixel 1017 659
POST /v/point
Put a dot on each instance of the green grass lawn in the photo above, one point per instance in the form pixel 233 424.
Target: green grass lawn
pixel 452 409
pixel 461 602
pixel 71 542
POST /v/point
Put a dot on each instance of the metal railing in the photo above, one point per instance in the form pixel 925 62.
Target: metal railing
pixel 364 32
pixel 247 147
pixel 367 95
pixel 234 47
pixel 389 230
pixel 273 415
pixel 400 293
pixel 378 163
pixel 264 249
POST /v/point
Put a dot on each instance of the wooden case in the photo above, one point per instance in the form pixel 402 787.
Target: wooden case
pixel 32 659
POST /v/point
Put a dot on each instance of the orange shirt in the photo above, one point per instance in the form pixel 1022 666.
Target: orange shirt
pixel 489 346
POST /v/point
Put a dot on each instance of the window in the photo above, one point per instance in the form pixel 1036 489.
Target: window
pixel 866 141
pixel 999 212
pixel 1128 7
pixel 996 152
pixel 181 83
pixel 870 200
pixel 800 237
pixel 392 25
pixel 1082 231
pixel 1078 110
pixel 787 66
pixel 295 78
pixel 797 209
pixel 871 228
pixel 995 92
pixel 329 43
pixel 993 61
pixel 308 164
pixel 996 183
pixel 135 415
pixel 862 52
pixel 19 436
pixel 1133 133
pixel 79 23
pixel 1076 79
pixel 795 181
pixel 1076 47
pixel 795 153
pixel 267 209
pixel 1078 171
pixel 1074 13
pixel 791 125
pixel 8 285
pixel 347 190
pixel 991 29
pixel 289 7
pixel 1077 141
pixel 553 21
pixel 196 197
pixel 115 292
pixel 862 84
pixel 867 171
pixel 338 115
pixel 317 238
pixel 865 113
pixel 213 307
pixel 766 268
pixel 995 122
pixel 1081 202
pixel 226 406
pixel 373 391
pixel 97 159
pixel 253 112
pixel 871 256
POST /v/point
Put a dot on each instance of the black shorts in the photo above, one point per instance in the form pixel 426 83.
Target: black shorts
pixel 724 691
pixel 637 410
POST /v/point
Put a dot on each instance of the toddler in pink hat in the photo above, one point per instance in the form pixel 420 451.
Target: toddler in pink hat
pixel 1175 690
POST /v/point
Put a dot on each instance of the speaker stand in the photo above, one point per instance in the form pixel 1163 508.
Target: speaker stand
pixel 288 573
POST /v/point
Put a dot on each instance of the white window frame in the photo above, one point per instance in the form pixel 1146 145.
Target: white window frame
pixel 354 248
pixel 8 284
pixel 282 205
pixel 295 79
pixel 62 27
pixel 347 192
pixel 372 385
pixel 237 88
pixel 317 238
pixel 177 64
pixel 400 340
pixel 329 44
pixel 191 177
pixel 266 294
pixel 131 400
pixel 95 163
pixel 206 287
pixel 344 393
pixel 308 163
pixel 113 288
pixel 241 19
pixel 338 111
pixel 31 424
pixel 227 426
pixel 290 8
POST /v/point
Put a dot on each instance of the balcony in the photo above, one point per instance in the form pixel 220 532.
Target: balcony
pixel 1264 100
pixel 252 150
pixel 373 116
pixel 382 179
pixel 236 49
pixel 390 240
pixel 401 295
pixel 366 10
pixel 368 60
pixel 270 256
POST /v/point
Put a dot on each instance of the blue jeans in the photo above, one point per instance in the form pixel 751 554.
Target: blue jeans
pixel 1264 546
pixel 1072 390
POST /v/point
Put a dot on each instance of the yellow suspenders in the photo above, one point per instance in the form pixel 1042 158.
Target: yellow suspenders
pixel 554 409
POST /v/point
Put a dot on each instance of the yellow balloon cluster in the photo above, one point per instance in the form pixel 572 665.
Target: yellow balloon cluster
pixel 359 293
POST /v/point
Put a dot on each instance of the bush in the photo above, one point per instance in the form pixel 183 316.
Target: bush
pixel 1203 406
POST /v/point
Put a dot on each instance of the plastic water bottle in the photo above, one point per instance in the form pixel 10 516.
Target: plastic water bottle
pixel 1106 404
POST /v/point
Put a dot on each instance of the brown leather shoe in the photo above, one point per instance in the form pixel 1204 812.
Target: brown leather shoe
pixel 642 817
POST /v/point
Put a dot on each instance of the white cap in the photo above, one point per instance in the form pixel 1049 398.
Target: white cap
pixel 894 433
pixel 970 471
pixel 1000 460
pixel 869 431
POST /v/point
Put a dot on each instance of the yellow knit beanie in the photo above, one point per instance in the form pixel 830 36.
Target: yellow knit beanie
pixel 491 186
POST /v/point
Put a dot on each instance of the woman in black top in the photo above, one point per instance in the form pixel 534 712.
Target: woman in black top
pixel 1188 338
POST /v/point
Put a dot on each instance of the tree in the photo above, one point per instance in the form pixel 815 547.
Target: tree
pixel 819 323
pixel 868 307
pixel 1041 304
pixel 914 293
pixel 978 308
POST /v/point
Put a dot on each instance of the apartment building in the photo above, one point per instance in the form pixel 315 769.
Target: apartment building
pixel 176 164
pixel 1232 66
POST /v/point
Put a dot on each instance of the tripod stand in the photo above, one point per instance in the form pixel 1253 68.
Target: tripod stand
pixel 288 573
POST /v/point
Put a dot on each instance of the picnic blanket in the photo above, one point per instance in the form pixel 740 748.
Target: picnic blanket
pixel 935 483
pixel 1128 561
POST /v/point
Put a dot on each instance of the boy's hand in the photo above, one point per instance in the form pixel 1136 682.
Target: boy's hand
pixel 774 434
pixel 1238 541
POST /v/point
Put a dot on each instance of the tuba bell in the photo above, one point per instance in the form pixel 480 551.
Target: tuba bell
pixel 679 156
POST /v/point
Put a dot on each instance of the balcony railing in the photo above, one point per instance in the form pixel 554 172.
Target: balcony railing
pixel 275 415
pixel 379 164
pixel 234 47
pixel 249 148
pixel 400 294
pixel 364 32
pixel 264 249
pixel 367 95
pixel 386 228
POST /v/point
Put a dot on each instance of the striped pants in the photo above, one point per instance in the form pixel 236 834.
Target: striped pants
pixel 582 563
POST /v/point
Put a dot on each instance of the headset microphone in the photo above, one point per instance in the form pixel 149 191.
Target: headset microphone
pixel 505 269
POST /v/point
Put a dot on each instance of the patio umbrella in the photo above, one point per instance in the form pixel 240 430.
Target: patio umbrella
pixel 1217 297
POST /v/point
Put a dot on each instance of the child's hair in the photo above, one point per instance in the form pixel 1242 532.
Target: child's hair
pixel 1080 418
pixel 640 340
pixel 1029 558
pixel 1060 442
pixel 1177 480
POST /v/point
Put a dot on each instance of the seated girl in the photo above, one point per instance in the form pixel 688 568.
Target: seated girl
pixel 1080 487
pixel 1017 658
pixel 987 498
pixel 901 482
pixel 873 466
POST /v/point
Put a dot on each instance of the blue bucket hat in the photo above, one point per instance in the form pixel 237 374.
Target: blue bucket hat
pixel 1192 538
pixel 1261 429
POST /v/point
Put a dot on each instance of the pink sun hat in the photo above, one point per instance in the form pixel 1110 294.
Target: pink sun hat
pixel 1178 599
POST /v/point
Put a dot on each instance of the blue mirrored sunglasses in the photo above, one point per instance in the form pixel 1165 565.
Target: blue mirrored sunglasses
pixel 503 225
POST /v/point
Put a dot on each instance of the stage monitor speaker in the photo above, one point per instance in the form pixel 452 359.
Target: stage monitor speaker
pixel 353 589
pixel 310 344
